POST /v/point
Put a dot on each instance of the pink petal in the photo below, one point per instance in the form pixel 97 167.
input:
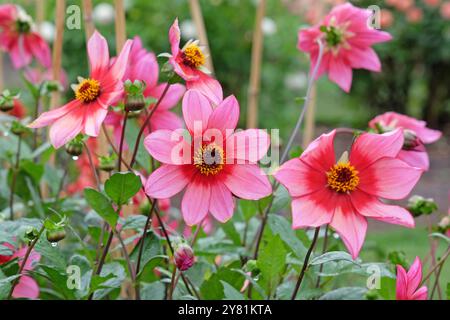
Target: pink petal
pixel 40 49
pixel 247 181
pixel 98 54
pixel 144 69
pixel 313 210
pixel 165 120
pixel 95 115
pixel 168 180
pixel 299 178
pixel 26 288
pixel 369 206
pixel 119 66
pixel 20 57
pixel 247 146
pixel 196 111
pixel 365 58
pixel 196 200
pixel 166 146
pixel 50 117
pixel 415 158
pixel 320 153
pixel 389 178
pixel 208 86
pixel 340 73
pixel 174 38
pixel 349 225
pixel 414 276
pixel 221 204
pixel 368 38
pixel 402 284
pixel 225 116
pixel 172 97
pixel 67 127
pixel 428 135
pixel 420 294
pixel 370 147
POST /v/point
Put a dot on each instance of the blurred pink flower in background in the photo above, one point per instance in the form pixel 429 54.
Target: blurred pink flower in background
pixel 414 15
pixel 432 3
pixel 210 176
pixel 413 151
pixel 19 38
pixel 347 40
pixel 387 18
pixel 347 192
pixel 37 76
pixel 408 282
pixel 188 62
pixel 93 96
pixel 26 287
pixel 19 110
pixel 445 10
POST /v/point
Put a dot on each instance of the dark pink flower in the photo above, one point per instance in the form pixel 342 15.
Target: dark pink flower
pixel 348 44
pixel 19 38
pixel 93 96
pixel 215 162
pixel 408 283
pixel 188 63
pixel 416 135
pixel 346 192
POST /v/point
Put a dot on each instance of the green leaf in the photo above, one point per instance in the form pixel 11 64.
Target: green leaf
pixel 272 261
pixel 135 222
pixel 58 280
pixel 231 232
pixel 212 288
pixel 230 292
pixel 347 293
pixel 122 186
pixel 152 291
pixel 280 226
pixel 332 256
pixel 52 255
pixel 281 200
pixel 5 285
pixel 113 284
pixel 152 249
pixel 101 204
pixel 248 208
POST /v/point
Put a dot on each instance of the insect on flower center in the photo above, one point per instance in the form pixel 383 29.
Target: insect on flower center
pixel 209 159
pixel 88 90
pixel 193 56
pixel 343 177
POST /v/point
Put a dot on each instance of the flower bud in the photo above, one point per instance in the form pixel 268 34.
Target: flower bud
pixel 7 106
pixel 410 139
pixel 107 163
pixel 74 148
pixel 7 100
pixel 184 257
pixel 56 235
pixel 444 225
pixel 19 129
pixel 418 206
pixel 134 99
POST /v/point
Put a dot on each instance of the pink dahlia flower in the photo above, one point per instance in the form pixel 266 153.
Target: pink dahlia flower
pixel 346 192
pixel 213 163
pixel 416 135
pixel 19 38
pixel 93 96
pixel 188 63
pixel 347 44
pixel 142 66
pixel 26 287
pixel 408 283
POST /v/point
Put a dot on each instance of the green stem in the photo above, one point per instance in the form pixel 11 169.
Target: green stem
pixel 14 178
pixel 122 137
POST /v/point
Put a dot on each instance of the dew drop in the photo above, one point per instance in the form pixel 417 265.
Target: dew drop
pixel 54 244
pixel 6 133
pixel 75 158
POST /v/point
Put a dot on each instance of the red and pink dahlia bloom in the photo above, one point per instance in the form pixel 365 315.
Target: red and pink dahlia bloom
pixel 408 283
pixel 211 160
pixel 346 192
pixel 188 63
pixel 19 38
pixel 416 135
pixel 347 40
pixel 26 287
pixel 93 96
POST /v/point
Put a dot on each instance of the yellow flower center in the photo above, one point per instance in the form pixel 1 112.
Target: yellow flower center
pixel 193 56
pixel 209 159
pixel 88 90
pixel 343 177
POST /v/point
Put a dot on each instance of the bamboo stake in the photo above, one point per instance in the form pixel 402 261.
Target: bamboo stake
pixel 40 12
pixel 310 124
pixel 57 49
pixel 88 21
pixel 121 34
pixel 255 71
pixel 196 13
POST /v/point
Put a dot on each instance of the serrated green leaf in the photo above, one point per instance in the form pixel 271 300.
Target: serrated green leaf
pixel 122 186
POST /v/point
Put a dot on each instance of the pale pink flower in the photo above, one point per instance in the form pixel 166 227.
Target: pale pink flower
pixel 37 76
pixel 26 287
pixel 408 283
pixel 93 96
pixel 432 3
pixel 207 167
pixel 445 10
pixel 346 192
pixel 188 63
pixel 387 18
pixel 347 40
pixel 414 15
pixel 20 39
pixel 413 151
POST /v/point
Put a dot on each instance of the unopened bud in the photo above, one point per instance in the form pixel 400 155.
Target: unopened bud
pixel 56 235
pixel 7 100
pixel 444 225
pixel 107 163
pixel 74 148
pixel 134 99
pixel 410 140
pixel 184 257
pixel 418 205
pixel 19 129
